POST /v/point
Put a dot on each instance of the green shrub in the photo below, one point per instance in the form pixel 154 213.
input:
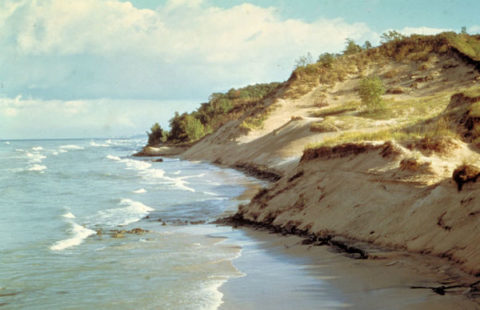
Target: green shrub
pixel 220 108
pixel 194 128
pixel 351 48
pixel 370 91
pixel 326 59
pixel 391 36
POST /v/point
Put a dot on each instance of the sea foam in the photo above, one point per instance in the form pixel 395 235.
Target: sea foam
pixel 140 191
pixel 112 157
pixel 71 147
pixel 69 215
pixel 131 212
pixel 145 169
pixel 35 157
pixel 79 233
pixel 95 144
pixel 38 168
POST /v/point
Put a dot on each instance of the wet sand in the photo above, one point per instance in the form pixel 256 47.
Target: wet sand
pixel 281 273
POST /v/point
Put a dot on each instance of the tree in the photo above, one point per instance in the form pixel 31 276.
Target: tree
pixel 391 35
pixel 370 91
pixel 177 128
pixel 351 47
pixel 194 128
pixel 367 45
pixel 156 135
pixel 464 30
pixel 303 61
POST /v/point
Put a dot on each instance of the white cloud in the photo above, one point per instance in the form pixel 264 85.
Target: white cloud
pixel 474 29
pixel 422 30
pixel 33 118
pixel 102 48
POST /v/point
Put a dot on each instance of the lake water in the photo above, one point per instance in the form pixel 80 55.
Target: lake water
pixel 66 203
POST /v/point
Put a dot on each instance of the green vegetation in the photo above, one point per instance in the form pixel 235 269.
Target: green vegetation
pixel 406 120
pixel 465 44
pixel 221 108
pixel 257 117
pixel 370 91
pixel 391 36
pixel 424 122
pixel 326 60
pixel 335 68
pixel 352 48
pixel 156 135
pixel 337 109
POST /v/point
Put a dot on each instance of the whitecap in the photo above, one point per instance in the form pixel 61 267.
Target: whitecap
pixel 112 157
pixel 69 215
pixel 95 144
pixel 39 168
pixel 7 142
pixel 177 172
pixel 181 184
pixel 35 157
pixel 79 233
pixel 71 147
pixel 144 169
pixel 37 148
pixel 210 194
pixel 132 212
pixel 140 191
pixel 55 153
pixel 137 164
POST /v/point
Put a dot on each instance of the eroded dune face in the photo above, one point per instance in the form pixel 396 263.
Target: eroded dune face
pixel 382 176
pixel 340 177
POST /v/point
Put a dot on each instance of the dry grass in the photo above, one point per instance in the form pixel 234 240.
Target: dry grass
pixel 256 119
pixel 424 134
pixel 326 125
pixel 337 109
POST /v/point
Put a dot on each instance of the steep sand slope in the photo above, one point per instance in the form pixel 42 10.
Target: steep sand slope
pixel 384 194
pixel 363 192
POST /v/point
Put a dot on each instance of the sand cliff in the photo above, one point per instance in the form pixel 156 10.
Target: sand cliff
pixel 395 194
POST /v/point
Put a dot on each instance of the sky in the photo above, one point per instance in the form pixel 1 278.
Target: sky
pixel 111 68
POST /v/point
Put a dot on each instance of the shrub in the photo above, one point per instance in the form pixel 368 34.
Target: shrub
pixel 370 91
pixel 326 59
pixel 464 174
pixel 351 48
pixel 391 35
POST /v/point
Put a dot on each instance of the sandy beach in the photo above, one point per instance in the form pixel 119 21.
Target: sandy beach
pixel 281 273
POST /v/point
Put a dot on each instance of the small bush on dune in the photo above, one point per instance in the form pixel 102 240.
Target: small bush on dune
pixel 370 91
pixel 464 174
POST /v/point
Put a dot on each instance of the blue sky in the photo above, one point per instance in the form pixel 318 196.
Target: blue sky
pixel 113 67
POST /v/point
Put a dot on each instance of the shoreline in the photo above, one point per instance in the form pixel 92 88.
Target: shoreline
pixel 310 275
pixel 426 281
